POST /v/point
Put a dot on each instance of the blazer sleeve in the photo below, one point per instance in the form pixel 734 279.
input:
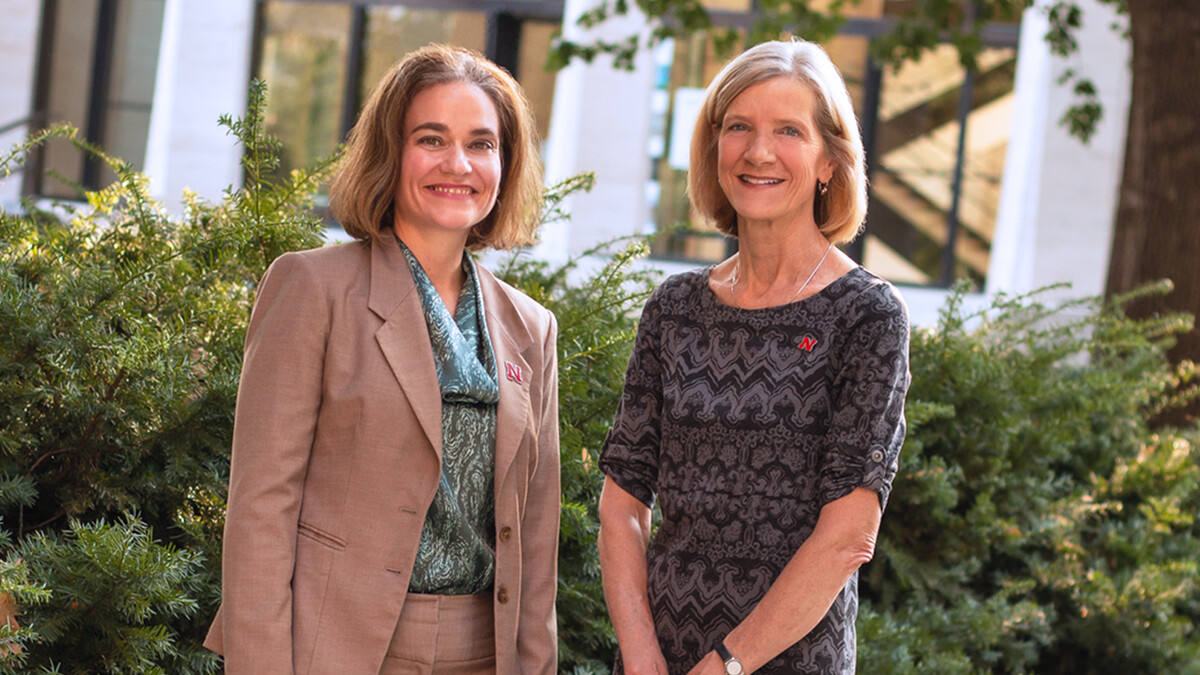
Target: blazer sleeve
pixel 537 633
pixel 278 400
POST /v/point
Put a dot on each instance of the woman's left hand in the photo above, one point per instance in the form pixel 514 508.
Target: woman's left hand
pixel 711 664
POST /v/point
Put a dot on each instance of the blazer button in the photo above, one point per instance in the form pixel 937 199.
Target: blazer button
pixel 505 534
pixel 502 596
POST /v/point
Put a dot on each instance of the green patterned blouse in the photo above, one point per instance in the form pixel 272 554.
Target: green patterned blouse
pixel 456 554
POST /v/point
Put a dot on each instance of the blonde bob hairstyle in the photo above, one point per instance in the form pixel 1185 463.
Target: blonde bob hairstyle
pixel 839 213
pixel 364 190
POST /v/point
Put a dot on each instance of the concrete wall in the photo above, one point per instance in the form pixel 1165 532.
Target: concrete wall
pixel 203 73
pixel 1059 195
pixel 18 54
pixel 601 123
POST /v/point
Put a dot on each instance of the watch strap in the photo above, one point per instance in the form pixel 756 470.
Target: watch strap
pixel 732 665
pixel 723 651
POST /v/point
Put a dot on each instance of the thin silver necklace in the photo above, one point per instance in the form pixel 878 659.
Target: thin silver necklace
pixel 733 281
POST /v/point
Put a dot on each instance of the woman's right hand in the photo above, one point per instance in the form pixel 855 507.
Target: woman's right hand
pixel 648 661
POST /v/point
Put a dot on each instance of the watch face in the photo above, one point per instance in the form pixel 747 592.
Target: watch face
pixel 733 667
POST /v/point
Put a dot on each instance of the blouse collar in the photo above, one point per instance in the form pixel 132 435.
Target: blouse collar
pixel 462 350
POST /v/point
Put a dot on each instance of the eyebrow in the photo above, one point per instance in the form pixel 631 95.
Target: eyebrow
pixel 783 121
pixel 442 128
pixel 794 121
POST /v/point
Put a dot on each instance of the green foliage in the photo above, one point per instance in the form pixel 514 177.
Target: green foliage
pixel 919 28
pixel 15 584
pixel 121 333
pixel 1038 524
pixel 115 594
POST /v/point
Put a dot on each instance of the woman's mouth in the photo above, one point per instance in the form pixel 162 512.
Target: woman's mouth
pixel 755 180
pixel 455 190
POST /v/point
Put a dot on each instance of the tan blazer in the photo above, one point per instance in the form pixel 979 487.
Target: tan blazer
pixel 336 457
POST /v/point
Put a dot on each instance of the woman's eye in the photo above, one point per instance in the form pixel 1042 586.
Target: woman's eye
pixel 430 141
pixel 483 146
pixel 791 131
pixel 735 126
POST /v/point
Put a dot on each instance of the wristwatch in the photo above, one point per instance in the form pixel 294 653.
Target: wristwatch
pixel 732 665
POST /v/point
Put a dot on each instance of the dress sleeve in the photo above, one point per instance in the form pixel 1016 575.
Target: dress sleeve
pixel 867 426
pixel 630 452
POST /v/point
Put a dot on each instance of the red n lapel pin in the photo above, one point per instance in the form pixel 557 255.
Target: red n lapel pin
pixel 512 371
pixel 807 343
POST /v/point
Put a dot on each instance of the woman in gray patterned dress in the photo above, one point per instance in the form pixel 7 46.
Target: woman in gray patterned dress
pixel 764 401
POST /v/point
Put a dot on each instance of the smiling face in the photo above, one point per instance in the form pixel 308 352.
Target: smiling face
pixel 770 154
pixel 450 162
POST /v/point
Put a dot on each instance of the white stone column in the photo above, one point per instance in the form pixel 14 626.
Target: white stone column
pixel 203 73
pixel 601 123
pixel 18 52
pixel 1059 195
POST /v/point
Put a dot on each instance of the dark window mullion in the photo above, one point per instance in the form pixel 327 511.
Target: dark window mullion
pixel 872 88
pixel 352 88
pixel 41 103
pixel 965 102
pixel 504 40
pixel 106 22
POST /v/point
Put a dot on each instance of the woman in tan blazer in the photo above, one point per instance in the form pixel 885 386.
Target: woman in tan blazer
pixel 394 492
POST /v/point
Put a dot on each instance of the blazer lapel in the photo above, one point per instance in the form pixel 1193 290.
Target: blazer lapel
pixel 404 336
pixel 511 342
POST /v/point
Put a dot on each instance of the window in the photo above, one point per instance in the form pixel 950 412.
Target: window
pixel 938 158
pixel 394 31
pixel 686 66
pixel 99 65
pixel 304 53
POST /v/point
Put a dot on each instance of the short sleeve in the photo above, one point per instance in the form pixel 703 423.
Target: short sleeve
pixel 867 426
pixel 630 452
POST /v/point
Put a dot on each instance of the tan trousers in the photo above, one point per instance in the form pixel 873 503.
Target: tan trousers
pixel 443 634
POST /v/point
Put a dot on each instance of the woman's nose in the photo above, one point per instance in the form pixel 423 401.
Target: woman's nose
pixel 455 160
pixel 760 149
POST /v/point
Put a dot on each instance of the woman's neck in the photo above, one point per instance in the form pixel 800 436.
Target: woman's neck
pixel 441 257
pixel 770 252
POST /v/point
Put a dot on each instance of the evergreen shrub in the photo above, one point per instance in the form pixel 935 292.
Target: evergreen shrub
pixel 121 332
pixel 1039 524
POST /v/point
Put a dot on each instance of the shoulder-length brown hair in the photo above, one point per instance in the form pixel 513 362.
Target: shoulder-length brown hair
pixel 840 212
pixel 363 192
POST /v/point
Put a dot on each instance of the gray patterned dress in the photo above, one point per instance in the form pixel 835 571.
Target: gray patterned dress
pixel 744 424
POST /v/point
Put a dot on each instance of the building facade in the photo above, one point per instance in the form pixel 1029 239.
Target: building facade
pixel 971 174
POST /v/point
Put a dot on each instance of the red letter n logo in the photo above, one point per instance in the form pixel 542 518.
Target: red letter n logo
pixel 512 372
pixel 807 343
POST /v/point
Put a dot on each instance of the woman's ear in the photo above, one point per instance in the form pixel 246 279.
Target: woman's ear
pixel 825 174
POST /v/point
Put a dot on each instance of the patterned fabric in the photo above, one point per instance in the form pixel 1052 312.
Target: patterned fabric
pixel 455 556
pixel 744 424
